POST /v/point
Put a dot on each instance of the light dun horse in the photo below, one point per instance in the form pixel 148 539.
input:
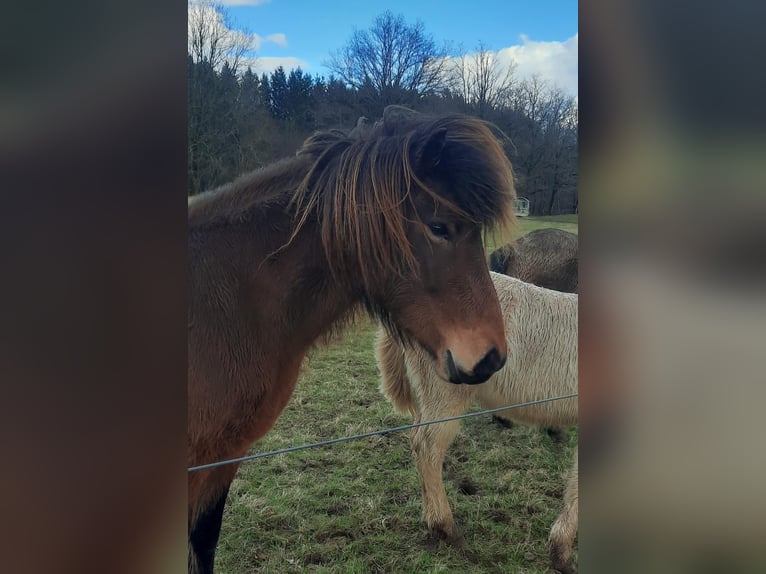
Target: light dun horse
pixel 546 258
pixel 388 217
pixel 541 333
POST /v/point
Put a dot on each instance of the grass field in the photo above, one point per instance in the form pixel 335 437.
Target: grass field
pixel 355 507
pixel 565 222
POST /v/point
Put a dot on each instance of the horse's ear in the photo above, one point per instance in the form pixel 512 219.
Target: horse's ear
pixel 397 117
pixel 362 127
pixel 430 153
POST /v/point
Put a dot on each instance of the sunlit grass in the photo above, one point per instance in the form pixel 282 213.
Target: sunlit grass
pixel 527 224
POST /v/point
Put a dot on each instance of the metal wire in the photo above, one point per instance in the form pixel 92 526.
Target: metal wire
pixel 374 433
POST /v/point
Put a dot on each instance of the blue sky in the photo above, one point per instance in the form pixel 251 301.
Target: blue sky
pixel 541 35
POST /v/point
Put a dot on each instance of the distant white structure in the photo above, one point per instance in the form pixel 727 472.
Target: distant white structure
pixel 521 206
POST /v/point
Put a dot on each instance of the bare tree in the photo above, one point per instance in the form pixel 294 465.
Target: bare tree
pixel 482 80
pixel 530 97
pixel 571 116
pixel 391 55
pixel 213 36
pixel 549 164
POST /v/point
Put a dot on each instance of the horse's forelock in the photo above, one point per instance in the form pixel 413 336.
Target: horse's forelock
pixel 479 176
pixel 361 187
pixel 360 193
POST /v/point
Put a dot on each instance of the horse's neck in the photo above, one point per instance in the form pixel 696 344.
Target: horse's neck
pixel 296 289
pixel 279 291
pixel 250 196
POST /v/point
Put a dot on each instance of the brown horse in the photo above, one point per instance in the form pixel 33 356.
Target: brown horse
pixel 544 257
pixel 388 217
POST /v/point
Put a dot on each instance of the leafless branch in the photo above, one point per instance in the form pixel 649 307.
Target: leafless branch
pixel 214 37
pixel 391 54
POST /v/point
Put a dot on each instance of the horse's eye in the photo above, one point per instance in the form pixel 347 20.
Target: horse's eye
pixel 439 230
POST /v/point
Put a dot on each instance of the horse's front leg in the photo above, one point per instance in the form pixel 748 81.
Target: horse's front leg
pixel 429 446
pixel 206 526
pixel 564 531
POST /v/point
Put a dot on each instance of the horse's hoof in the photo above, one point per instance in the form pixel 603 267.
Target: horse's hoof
pixel 456 541
pixel 502 422
pixel 564 569
pixel 559 436
pixel 449 536
pixel 561 562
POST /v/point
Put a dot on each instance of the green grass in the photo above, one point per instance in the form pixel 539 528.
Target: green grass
pixel 527 224
pixel 565 222
pixel 355 507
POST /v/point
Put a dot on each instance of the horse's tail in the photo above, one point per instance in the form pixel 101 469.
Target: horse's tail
pixel 394 382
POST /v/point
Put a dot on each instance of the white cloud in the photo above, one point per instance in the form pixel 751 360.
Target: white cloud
pixel 279 39
pixel 269 64
pixel 554 62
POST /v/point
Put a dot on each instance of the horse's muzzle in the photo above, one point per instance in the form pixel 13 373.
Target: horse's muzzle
pixel 484 369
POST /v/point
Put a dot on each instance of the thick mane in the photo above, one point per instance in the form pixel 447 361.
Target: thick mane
pixel 360 187
pixel 237 201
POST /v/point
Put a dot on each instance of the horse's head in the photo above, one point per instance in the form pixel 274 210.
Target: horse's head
pixel 444 299
pixel 449 305
pixel 402 206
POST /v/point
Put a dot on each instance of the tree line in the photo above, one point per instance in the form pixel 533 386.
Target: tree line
pixel 239 120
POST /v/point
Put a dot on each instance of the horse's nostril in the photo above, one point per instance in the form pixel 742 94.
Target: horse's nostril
pixel 491 363
pixel 484 369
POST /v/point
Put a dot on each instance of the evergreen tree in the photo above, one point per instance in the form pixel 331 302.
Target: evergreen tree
pixel 265 90
pixel 249 92
pixel 278 94
pixel 299 100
